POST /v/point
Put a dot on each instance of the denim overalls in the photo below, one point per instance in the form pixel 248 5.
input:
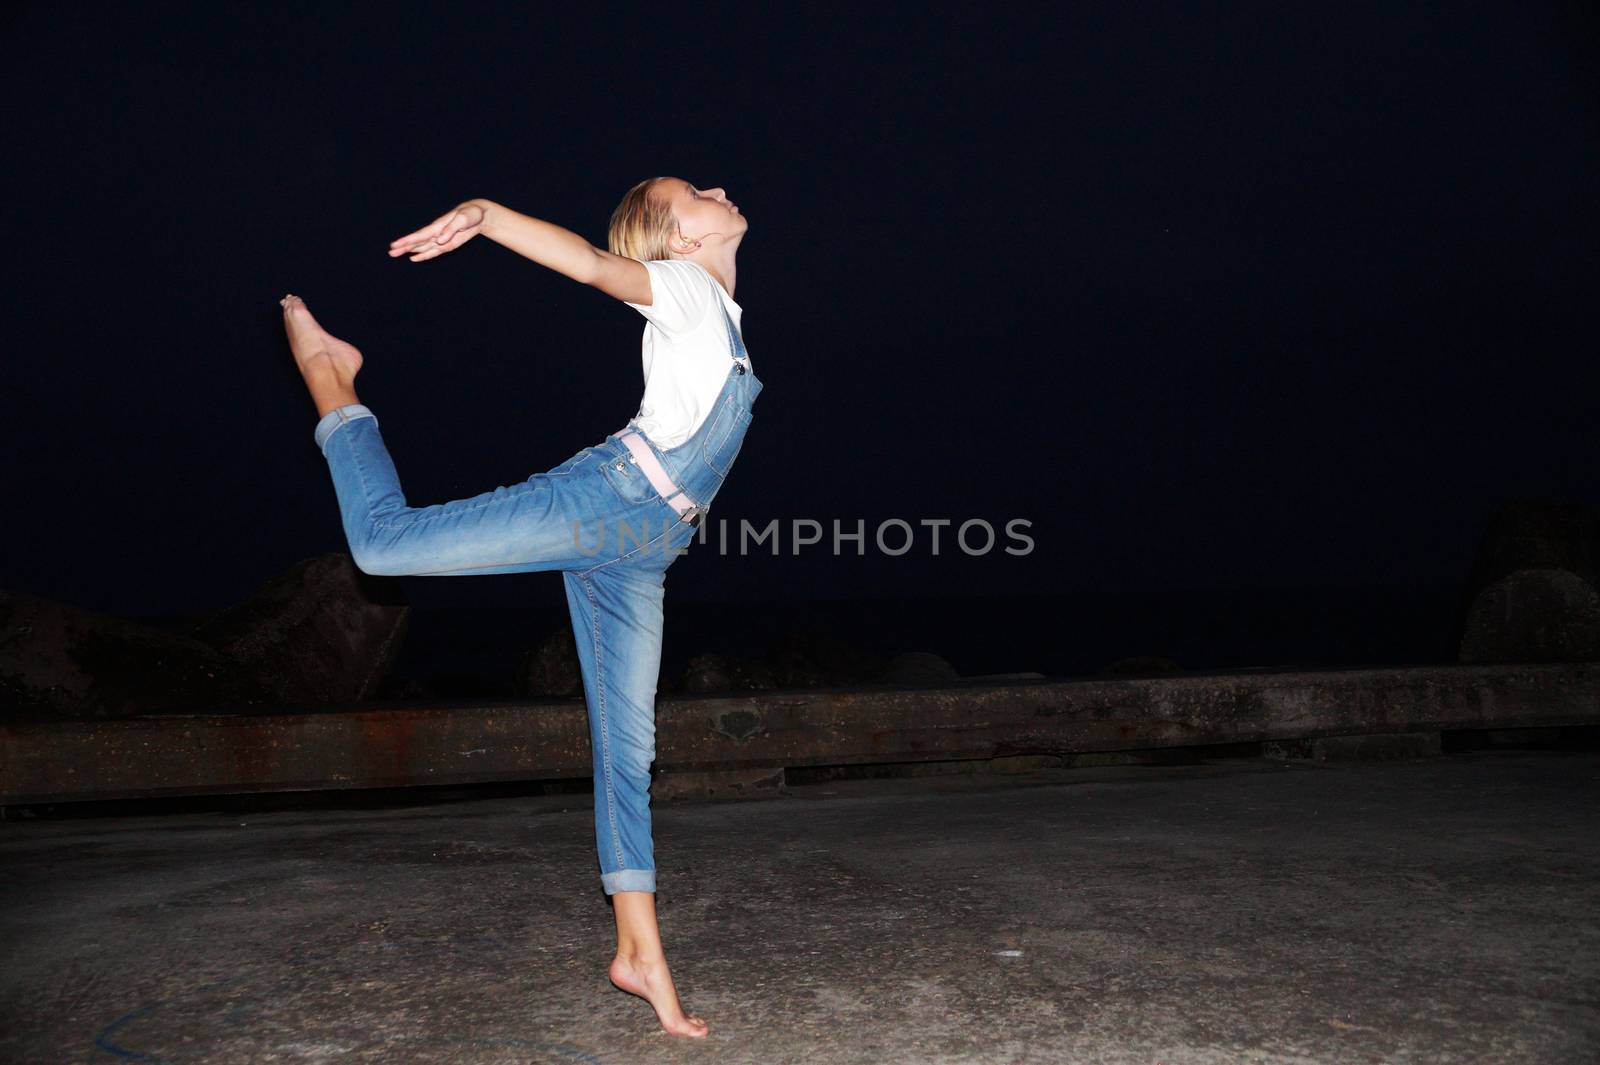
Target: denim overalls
pixel 598 520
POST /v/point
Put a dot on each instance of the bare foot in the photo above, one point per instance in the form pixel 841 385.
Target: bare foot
pixel 328 364
pixel 651 981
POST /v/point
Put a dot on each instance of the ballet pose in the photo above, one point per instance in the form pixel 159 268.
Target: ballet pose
pixel 611 518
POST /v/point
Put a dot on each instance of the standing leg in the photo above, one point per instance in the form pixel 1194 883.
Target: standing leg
pixel 617 624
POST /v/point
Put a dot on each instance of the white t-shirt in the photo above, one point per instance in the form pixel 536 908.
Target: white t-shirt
pixel 686 350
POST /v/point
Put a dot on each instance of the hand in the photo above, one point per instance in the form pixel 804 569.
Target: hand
pixel 445 233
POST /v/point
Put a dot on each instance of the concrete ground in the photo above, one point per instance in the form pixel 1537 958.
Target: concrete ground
pixel 1445 910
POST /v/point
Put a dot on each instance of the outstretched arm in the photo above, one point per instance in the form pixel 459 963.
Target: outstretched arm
pixel 546 244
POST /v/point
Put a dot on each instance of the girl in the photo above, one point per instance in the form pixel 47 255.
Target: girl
pixel 611 518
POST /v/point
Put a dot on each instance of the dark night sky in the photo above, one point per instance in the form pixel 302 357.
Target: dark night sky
pixel 1216 297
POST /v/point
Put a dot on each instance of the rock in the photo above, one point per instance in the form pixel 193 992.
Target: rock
pixel 552 669
pixel 794 671
pixel 707 673
pixel 58 661
pixel 321 632
pixel 1528 536
pixel 722 673
pixel 1142 665
pixel 811 658
pixel 918 667
pixel 1533 615
pixel 1540 536
pixel 754 676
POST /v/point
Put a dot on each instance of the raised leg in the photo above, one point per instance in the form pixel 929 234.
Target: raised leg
pixel 513 529
pixel 328 364
pixel 519 528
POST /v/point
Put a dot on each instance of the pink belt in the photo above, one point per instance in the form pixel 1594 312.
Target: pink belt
pixel 645 458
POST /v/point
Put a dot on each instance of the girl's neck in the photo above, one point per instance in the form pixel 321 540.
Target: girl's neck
pixel 722 267
pixel 726 280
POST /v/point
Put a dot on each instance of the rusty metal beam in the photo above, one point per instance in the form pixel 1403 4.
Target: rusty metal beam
pixel 476 743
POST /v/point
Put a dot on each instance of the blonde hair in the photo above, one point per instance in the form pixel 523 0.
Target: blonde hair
pixel 642 224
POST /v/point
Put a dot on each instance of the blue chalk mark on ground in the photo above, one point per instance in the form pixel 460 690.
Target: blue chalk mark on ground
pixel 560 1050
pixel 103 1040
pixel 238 1014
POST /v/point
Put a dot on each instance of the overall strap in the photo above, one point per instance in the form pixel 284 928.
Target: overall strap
pixel 735 341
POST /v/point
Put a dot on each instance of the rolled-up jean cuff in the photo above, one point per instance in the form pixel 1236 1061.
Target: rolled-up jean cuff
pixel 337 417
pixel 629 880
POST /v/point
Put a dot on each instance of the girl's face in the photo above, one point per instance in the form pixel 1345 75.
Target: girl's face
pixel 702 212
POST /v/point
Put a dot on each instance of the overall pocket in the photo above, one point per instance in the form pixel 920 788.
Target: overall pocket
pixel 725 436
pixel 629 481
